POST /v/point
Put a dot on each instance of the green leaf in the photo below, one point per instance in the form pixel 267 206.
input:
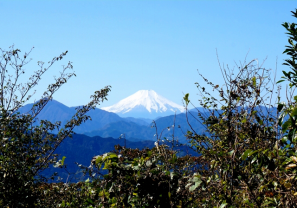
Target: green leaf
pixel 223 205
pixel 254 81
pixel 231 152
pixel 112 155
pixel 254 159
pixel 284 139
pixel 259 120
pixel 63 159
pixel 280 81
pixel 62 204
pixel 286 125
pixel 98 160
pixel 197 184
pixel 280 107
pixel 245 154
pixel 186 98
pixel 294 112
pixel 267 203
pixel 291 134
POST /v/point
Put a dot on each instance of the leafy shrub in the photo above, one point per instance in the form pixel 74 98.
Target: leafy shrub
pixel 248 157
pixel 248 154
pixel 26 149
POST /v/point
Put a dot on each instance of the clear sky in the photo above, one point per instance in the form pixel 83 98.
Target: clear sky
pixel 139 45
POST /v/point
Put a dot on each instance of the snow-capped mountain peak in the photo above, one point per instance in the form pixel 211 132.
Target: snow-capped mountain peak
pixel 145 103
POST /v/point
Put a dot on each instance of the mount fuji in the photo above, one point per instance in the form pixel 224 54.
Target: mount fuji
pixel 145 104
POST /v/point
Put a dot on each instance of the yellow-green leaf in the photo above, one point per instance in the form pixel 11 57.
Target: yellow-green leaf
pixel 254 81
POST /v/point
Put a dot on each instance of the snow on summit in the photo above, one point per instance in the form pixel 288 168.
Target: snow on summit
pixel 146 104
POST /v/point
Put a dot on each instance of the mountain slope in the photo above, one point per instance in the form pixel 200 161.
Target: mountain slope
pixel 135 132
pixel 55 111
pixel 82 149
pixel 145 104
pixel 108 124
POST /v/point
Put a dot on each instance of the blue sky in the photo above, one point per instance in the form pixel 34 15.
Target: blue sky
pixel 137 45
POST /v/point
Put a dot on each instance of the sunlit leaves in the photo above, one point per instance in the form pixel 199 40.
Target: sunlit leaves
pixel 186 98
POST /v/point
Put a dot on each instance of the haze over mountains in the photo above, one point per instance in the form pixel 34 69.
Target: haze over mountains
pixel 145 104
pixel 81 149
pixel 108 124
pixel 101 134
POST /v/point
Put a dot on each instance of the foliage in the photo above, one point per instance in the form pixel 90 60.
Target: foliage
pixel 26 149
pixel 240 163
pixel 248 152
pixel 144 178
pixel 252 147
pixel 291 50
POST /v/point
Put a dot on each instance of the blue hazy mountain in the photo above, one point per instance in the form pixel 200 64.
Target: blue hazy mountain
pixel 81 149
pixel 55 111
pixel 178 126
pixel 108 124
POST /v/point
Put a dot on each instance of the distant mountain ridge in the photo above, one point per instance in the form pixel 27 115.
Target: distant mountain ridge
pixel 145 104
pixel 107 124
pixel 82 149
pixel 55 111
